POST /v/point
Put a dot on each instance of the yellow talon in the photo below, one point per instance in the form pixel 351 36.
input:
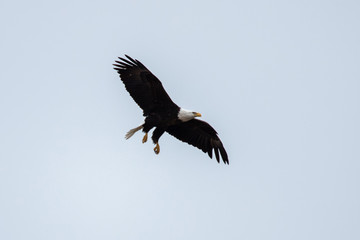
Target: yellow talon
pixel 157 148
pixel 144 138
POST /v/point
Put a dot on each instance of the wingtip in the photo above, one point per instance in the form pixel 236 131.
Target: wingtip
pixel 224 158
pixel 130 58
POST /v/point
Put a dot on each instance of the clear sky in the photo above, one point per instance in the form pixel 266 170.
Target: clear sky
pixel 279 81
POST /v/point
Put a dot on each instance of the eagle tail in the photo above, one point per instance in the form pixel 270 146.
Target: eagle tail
pixel 133 131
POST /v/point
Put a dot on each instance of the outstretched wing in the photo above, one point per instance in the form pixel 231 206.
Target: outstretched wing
pixel 201 135
pixel 146 89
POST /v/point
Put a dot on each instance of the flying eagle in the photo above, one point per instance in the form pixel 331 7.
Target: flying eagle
pixel 163 114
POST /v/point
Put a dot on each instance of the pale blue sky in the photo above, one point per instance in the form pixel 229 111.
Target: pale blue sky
pixel 279 80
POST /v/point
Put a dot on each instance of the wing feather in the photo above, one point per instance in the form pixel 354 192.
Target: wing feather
pixel 201 135
pixel 144 87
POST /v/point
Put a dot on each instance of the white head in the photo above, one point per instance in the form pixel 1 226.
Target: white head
pixel 186 115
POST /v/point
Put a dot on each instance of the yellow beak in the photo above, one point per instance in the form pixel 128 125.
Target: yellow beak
pixel 197 115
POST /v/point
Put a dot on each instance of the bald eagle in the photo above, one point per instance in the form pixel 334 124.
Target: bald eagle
pixel 163 114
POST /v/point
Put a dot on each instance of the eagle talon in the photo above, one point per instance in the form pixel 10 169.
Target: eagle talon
pixel 157 148
pixel 145 138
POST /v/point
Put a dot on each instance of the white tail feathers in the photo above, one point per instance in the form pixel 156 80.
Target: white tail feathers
pixel 133 131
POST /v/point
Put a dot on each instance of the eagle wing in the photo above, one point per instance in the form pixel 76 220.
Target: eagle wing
pixel 144 87
pixel 201 135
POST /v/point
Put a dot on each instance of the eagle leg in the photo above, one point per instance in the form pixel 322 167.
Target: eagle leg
pixel 157 148
pixel 145 138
